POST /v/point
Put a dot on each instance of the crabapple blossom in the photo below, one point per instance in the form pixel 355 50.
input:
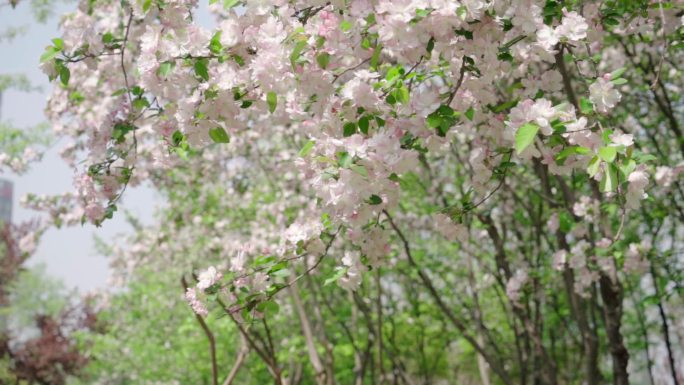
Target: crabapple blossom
pixel 208 278
pixel 197 305
pixel 603 94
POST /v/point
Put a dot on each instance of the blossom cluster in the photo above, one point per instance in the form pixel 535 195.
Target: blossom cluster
pixel 367 97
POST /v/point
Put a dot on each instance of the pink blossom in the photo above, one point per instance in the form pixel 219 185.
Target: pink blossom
pixel 196 305
pixel 603 95
pixel 208 278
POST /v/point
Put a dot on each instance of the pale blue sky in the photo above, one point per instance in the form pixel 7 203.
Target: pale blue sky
pixel 68 253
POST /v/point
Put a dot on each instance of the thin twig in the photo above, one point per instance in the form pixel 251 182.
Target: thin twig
pixel 459 82
pixel 210 337
pixel 662 54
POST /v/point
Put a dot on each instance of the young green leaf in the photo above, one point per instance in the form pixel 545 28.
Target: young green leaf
pixel 64 75
pixel 339 273
pixel 49 54
pixel 164 69
pixel 374 200
pixel 219 135
pixel 201 68
pixel 594 166
pixel 272 100
pixel 344 160
pixel 323 59
pixel 58 43
pixel 525 136
pixel 572 150
pixel 470 113
pixel 345 25
pixel 617 73
pixel 401 94
pixel 215 45
pixel 608 153
pixel 585 106
pixel 375 59
pixel 307 148
pixel 297 52
pixel 349 129
pixel 609 181
pixel 364 123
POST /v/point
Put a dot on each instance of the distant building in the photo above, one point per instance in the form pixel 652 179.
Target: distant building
pixel 5 201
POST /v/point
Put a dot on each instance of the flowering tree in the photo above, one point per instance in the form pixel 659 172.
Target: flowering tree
pixel 515 164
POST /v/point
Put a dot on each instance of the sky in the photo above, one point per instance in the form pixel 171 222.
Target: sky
pixel 69 254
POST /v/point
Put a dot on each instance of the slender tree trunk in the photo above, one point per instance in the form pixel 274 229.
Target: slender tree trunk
pixel 665 327
pixel 239 361
pixel 611 293
pixel 322 375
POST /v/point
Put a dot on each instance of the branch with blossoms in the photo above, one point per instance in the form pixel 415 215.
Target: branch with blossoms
pixel 338 110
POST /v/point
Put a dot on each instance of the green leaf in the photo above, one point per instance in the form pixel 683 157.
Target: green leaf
pixel 201 68
pixel 470 113
pixel 365 43
pixel 401 94
pixel 572 150
pixel 228 4
pixel 141 103
pixel 525 136
pixel 594 166
pixel 64 75
pixel 364 123
pixel 49 54
pixel 410 182
pixel 442 119
pixel 146 5
pixel 165 68
pixel 608 153
pixel 374 200
pixel 58 43
pixel 619 81
pixel 586 107
pixel 375 59
pixel 297 52
pixel 349 129
pixel 307 148
pixel 215 45
pixel 512 42
pixel 609 180
pixel 219 135
pixel 565 221
pixel 120 130
pixel 359 170
pixel 628 167
pixel 137 91
pixel 107 38
pixel 323 59
pixel 344 160
pixel 430 45
pixel 268 308
pixel 433 120
pixel 644 158
pixel 272 100
pixel 339 273
pixel 345 25
pixel 617 73
pixel 505 106
pixel 391 99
